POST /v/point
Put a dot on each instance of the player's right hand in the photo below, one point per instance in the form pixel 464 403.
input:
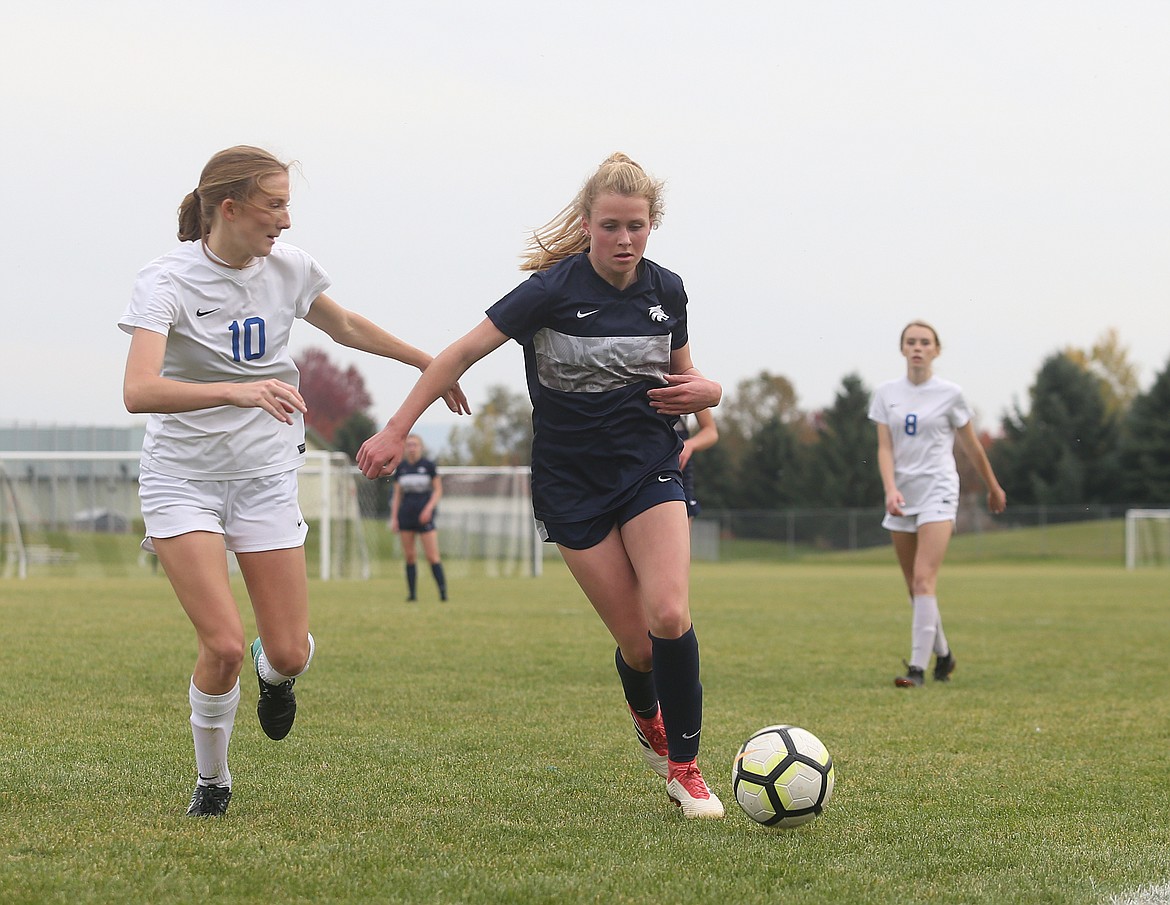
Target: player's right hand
pixel 276 397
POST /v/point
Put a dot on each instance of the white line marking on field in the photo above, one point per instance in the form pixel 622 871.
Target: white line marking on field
pixel 1147 895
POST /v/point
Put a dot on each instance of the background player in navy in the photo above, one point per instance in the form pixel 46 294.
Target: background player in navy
pixel 606 352
pixel 705 437
pixel 417 491
pixel 918 418
pixel 209 361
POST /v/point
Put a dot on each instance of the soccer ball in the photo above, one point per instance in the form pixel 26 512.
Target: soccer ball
pixel 782 776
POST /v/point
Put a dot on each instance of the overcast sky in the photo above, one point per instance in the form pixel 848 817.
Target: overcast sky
pixel 833 169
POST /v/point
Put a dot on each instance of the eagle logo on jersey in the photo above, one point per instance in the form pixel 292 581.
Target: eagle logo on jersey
pixel 657 314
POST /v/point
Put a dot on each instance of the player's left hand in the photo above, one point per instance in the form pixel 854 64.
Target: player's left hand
pixel 456 400
pixel 685 394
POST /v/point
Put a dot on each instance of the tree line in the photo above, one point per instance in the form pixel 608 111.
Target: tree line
pixel 1087 435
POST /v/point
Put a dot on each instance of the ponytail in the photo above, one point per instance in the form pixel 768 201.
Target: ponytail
pixel 236 173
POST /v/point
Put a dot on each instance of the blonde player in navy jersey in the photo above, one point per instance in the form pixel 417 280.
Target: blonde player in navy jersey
pixel 209 362
pixel 606 351
pixel 413 505
pixel 918 418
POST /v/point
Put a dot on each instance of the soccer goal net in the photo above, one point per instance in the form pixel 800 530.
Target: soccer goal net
pixel 484 523
pixel 1147 538
pixel 77 513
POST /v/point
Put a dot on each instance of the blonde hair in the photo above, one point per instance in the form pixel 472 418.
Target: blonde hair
pixel 925 326
pixel 563 237
pixel 236 173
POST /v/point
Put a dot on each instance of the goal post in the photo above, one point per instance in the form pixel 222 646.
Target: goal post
pixel 76 513
pixel 12 549
pixel 1147 538
pixel 484 522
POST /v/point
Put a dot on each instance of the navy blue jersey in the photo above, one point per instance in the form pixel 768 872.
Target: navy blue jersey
pixel 591 352
pixel 414 479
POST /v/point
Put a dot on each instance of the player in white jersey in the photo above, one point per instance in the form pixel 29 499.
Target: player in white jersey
pixel 918 418
pixel 608 358
pixel 209 362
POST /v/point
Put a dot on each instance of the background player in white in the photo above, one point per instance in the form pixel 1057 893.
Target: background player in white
pixel 609 368
pixel 918 418
pixel 209 361
pixel 418 487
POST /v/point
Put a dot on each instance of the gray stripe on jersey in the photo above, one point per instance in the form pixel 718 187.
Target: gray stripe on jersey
pixel 415 483
pixel 596 364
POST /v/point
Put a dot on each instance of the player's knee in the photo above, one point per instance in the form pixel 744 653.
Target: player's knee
pixel 225 652
pixel 923 581
pixel 288 658
pixel 639 656
pixel 671 620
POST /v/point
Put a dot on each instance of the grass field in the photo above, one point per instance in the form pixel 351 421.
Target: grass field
pixel 479 752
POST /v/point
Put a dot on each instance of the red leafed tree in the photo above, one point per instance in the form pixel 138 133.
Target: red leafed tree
pixel 331 394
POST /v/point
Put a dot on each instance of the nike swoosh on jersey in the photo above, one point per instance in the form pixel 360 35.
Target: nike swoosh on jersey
pixel 587 313
pixel 199 312
pixel 664 478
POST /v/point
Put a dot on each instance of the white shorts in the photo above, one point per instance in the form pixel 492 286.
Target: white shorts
pixel 252 514
pixel 935 512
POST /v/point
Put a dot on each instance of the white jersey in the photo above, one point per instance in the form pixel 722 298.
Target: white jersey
pixel 922 420
pixel 223 325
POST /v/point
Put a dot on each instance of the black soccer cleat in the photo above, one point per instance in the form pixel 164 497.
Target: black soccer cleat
pixel 915 677
pixel 209 801
pixel 943 667
pixel 277 706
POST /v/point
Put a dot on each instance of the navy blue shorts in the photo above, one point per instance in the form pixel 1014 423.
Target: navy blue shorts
pixel 408 513
pixel 660 487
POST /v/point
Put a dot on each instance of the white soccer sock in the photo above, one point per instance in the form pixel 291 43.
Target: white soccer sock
pixel 212 719
pixel 271 676
pixel 924 628
pixel 941 647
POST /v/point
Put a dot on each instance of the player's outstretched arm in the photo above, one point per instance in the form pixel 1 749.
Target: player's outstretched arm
pixel 381 453
pixel 348 328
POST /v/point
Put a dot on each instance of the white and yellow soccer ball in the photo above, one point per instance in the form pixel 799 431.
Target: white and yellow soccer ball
pixel 783 776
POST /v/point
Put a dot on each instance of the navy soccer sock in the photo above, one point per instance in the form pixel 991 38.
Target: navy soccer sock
pixel 411 580
pixel 680 694
pixel 440 579
pixel 639 688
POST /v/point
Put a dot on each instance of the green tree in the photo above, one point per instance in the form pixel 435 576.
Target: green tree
pixel 1064 450
pixel 843 460
pixel 715 477
pixel 1108 360
pixel 771 472
pixel 757 401
pixel 1145 445
pixel 352 433
pixel 744 452
pixel 500 432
